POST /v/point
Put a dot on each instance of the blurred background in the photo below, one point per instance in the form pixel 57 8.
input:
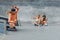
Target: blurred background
pixel 30 8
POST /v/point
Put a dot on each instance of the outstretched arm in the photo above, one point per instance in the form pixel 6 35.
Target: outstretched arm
pixel 17 9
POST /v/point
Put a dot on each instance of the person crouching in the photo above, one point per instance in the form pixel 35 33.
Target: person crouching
pixel 37 20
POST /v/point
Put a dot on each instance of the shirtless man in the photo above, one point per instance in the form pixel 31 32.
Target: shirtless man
pixel 43 20
pixel 12 20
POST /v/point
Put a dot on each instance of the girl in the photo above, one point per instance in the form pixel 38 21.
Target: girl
pixel 37 20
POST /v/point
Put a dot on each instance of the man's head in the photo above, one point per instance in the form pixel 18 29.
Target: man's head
pixel 44 16
pixel 13 9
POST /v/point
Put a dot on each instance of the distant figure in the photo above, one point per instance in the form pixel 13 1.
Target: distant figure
pixel 44 20
pixel 37 20
pixel 12 20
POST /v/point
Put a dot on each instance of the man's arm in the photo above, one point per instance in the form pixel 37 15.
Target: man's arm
pixel 17 9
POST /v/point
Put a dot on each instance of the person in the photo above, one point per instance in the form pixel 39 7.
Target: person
pixel 43 20
pixel 12 19
pixel 37 20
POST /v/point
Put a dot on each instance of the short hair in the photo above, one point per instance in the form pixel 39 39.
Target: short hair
pixel 13 10
pixel 44 16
